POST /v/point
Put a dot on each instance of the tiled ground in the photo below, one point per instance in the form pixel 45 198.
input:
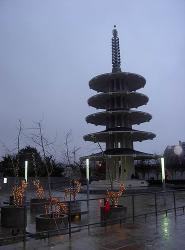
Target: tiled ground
pixel 163 234
pixel 167 233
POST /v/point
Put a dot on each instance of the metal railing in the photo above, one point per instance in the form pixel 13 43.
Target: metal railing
pixel 139 205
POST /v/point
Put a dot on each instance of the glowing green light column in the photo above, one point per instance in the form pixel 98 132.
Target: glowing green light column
pixel 87 180
pixel 26 171
pixel 163 171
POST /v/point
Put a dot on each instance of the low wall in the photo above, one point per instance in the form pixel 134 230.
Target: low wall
pixel 56 183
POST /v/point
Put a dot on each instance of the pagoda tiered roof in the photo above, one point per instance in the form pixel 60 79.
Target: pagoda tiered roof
pixel 103 118
pixel 131 99
pixel 102 83
pixel 135 135
pixel 120 152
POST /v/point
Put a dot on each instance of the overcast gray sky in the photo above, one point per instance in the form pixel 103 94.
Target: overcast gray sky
pixel 49 50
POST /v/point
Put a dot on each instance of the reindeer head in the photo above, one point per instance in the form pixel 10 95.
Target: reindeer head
pixel 114 196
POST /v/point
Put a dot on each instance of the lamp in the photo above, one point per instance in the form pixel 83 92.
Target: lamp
pixel 26 171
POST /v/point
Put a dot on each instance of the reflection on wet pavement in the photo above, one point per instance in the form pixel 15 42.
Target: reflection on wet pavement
pixel 167 233
pixel 165 228
pixel 147 233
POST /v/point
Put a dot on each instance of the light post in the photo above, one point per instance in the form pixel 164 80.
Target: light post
pixel 5 180
pixel 163 179
pixel 26 171
pixel 87 181
pixel 163 173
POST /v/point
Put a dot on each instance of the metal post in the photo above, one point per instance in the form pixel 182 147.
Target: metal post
pixel 133 209
pixel 70 216
pixel 87 181
pixel 88 202
pixel 25 209
pixel 24 230
pixel 155 204
pixel 174 202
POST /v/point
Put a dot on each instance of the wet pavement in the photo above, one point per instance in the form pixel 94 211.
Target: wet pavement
pixel 167 233
pixel 146 233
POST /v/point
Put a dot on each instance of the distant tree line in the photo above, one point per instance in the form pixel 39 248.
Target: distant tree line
pixel 36 164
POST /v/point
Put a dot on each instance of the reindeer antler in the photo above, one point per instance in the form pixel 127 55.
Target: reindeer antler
pixel 114 196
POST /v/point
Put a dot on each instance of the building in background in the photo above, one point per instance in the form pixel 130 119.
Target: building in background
pixel 175 161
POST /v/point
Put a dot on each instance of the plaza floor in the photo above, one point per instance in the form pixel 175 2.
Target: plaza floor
pixel 146 233
pixel 165 233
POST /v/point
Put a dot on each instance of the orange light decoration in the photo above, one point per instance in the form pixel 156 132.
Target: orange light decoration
pixel 114 196
pixel 18 193
pixel 73 190
pixel 56 207
pixel 39 189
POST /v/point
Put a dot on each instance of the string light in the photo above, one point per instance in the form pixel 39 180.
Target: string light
pixel 73 190
pixel 18 193
pixel 56 207
pixel 114 196
pixel 39 189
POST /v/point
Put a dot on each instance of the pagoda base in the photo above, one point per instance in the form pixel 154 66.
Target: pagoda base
pixel 129 184
pixel 121 168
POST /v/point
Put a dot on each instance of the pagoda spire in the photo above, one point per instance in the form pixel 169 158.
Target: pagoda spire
pixel 116 60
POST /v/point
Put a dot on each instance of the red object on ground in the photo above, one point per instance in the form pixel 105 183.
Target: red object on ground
pixel 107 206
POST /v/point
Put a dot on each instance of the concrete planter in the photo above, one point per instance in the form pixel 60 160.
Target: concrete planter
pixel 13 217
pixel 113 216
pixel 75 209
pixel 38 205
pixel 46 222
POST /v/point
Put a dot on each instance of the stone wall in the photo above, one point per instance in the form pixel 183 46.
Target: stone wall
pixel 56 183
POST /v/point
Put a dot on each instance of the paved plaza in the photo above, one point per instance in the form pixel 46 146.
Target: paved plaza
pixel 167 233
pixel 146 233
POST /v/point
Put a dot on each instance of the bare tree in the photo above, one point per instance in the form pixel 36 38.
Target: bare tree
pixel 75 150
pixel 104 157
pixel 67 153
pixel 70 152
pixel 40 140
pixel 16 167
pixel 14 157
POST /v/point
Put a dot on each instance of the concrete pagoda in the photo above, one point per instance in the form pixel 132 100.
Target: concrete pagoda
pixel 118 98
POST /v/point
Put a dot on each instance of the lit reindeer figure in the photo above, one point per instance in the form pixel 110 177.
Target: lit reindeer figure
pixel 39 189
pixel 18 193
pixel 73 191
pixel 114 196
pixel 56 206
